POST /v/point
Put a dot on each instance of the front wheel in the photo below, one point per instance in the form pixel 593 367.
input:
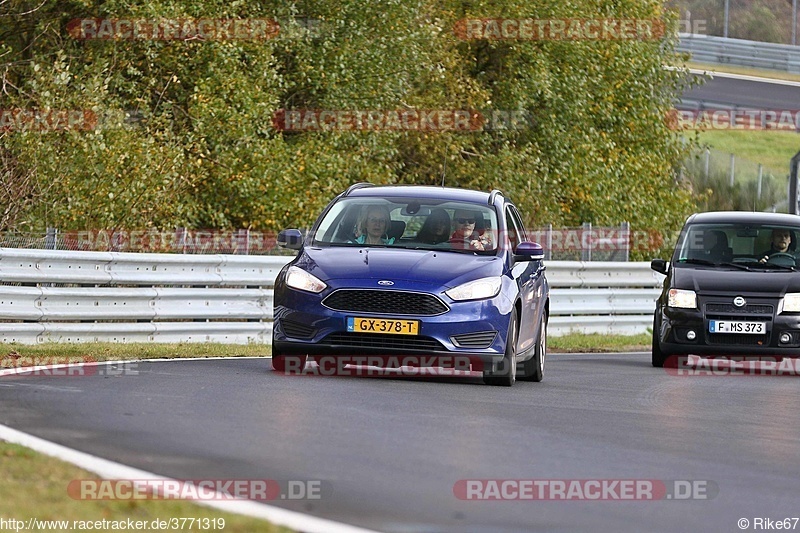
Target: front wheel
pixel 506 374
pixel 533 368
pixel 658 355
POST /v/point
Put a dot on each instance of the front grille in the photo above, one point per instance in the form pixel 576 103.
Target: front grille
pixel 381 341
pixel 481 339
pixel 385 302
pixel 297 330
pixel 754 309
pixel 738 339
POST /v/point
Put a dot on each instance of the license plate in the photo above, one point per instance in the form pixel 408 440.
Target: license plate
pixel 731 326
pixel 395 326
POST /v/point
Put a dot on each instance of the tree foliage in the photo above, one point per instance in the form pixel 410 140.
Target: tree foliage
pixel 185 135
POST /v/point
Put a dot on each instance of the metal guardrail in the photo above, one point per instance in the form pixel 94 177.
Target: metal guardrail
pixel 65 296
pixel 726 51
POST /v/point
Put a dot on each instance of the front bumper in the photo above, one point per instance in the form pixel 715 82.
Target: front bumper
pixel 475 330
pixel 677 323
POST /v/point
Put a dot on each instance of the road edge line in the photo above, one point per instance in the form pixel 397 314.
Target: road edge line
pixel 107 469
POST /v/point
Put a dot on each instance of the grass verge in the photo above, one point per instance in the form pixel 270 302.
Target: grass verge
pixel 599 343
pixel 772 148
pixel 51 353
pixel 745 71
pixel 35 487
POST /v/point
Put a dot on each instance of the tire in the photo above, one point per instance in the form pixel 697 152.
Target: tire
pixel 506 375
pixel 658 355
pixel 533 368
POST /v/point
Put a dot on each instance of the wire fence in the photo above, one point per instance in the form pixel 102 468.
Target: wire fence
pixel 582 243
pixel 736 183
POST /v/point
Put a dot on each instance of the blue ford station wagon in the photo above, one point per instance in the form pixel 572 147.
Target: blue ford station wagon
pixel 415 271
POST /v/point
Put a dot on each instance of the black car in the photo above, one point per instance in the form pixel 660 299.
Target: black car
pixel 732 288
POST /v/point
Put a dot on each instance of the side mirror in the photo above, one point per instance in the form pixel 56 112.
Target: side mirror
pixel 290 238
pixel 659 265
pixel 529 251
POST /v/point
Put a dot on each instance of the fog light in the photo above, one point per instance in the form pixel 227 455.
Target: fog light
pixel 691 335
pixel 786 338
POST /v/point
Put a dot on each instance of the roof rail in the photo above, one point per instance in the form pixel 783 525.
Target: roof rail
pixel 494 194
pixel 355 186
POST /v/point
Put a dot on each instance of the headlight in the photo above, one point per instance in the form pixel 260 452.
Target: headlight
pixel 476 290
pixel 791 303
pixel 683 299
pixel 298 278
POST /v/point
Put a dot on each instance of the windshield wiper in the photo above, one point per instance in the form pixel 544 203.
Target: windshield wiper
pixel 698 262
pixel 781 267
pixel 737 265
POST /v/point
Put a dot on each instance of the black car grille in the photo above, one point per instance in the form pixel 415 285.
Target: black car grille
pixel 738 339
pixel 385 302
pixel 481 339
pixel 297 330
pixel 389 342
pixel 754 309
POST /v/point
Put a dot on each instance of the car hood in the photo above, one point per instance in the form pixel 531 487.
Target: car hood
pixel 735 281
pixel 447 269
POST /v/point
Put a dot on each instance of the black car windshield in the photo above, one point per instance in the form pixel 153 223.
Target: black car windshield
pixel 756 246
pixel 402 222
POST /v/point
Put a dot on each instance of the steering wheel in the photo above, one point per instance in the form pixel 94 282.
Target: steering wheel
pixel 782 259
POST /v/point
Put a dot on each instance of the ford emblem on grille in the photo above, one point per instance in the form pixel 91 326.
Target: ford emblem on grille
pixel 739 301
pixel 385 282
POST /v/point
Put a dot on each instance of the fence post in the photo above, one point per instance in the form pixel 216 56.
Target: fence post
pixel 760 178
pixel 549 249
pixel 586 253
pixel 242 242
pixel 51 239
pixel 626 230
pixel 733 167
pixel 180 239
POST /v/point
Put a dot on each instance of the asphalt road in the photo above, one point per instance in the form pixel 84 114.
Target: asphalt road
pixel 388 452
pixel 737 93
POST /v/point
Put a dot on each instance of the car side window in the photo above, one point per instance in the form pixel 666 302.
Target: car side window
pixel 512 230
pixel 523 236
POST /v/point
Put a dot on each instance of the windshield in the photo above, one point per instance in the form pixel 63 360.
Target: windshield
pixel 750 245
pixel 409 223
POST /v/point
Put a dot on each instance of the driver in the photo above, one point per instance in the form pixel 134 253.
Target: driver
pixel 780 244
